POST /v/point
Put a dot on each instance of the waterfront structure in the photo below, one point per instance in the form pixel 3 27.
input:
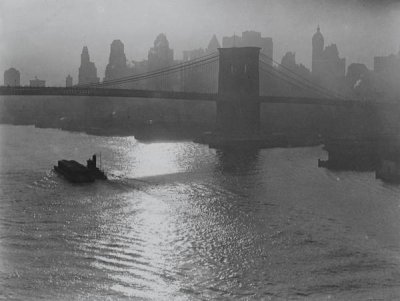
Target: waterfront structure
pixel 36 83
pixel 68 81
pixel 87 70
pixel 116 67
pixel 12 77
pixel 251 39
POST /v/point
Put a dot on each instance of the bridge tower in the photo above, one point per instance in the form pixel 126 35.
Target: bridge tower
pixel 238 106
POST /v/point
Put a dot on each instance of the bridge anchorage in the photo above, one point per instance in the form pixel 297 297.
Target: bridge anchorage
pixel 238 101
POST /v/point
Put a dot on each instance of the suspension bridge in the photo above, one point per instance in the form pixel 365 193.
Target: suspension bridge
pixel 230 77
pixel 185 75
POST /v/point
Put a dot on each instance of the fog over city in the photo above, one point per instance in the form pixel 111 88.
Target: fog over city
pixel 45 38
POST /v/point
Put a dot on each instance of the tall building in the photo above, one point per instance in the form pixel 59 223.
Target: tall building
pixel 387 75
pixel 289 60
pixel 317 51
pixel 68 81
pixel 356 72
pixel 160 56
pixel 251 39
pixel 327 66
pixel 193 54
pixel 87 70
pixel 213 45
pixel 386 63
pixel 12 77
pixel 37 83
pixel 117 66
pixel 360 82
pixel 203 78
pixel 278 81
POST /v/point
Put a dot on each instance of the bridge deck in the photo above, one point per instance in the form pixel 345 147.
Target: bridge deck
pixel 106 92
pixel 113 92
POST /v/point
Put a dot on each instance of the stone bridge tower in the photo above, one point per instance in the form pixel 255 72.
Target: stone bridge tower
pixel 238 106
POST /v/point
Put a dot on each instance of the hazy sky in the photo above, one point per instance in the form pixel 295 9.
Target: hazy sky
pixel 45 37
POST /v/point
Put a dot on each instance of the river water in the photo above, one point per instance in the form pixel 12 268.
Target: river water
pixel 180 221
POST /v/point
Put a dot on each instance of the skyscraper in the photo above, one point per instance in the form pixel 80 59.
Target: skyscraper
pixel 87 70
pixel 203 79
pixel 327 66
pixel 160 56
pixel 117 66
pixel 12 77
pixel 251 39
pixel 317 51
pixel 36 83
pixel 213 45
pixel 68 81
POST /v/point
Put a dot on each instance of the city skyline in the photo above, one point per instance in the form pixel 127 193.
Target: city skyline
pixel 44 56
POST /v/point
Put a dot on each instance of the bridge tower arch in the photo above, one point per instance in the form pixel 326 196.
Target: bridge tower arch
pixel 238 105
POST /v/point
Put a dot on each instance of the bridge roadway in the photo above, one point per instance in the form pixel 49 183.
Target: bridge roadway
pixel 116 92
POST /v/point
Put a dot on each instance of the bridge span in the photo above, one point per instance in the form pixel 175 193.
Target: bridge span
pixel 195 96
pixel 238 100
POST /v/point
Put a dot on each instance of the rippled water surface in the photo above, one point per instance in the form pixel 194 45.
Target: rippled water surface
pixel 178 221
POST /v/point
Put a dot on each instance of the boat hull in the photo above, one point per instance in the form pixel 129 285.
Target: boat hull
pixel 73 176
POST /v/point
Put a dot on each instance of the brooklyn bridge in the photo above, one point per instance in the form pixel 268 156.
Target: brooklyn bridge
pixel 236 91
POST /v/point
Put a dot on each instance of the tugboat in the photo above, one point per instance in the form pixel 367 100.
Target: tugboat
pixel 77 173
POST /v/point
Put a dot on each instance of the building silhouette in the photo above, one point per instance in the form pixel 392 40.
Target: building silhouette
pixel 37 83
pixel 355 73
pixel 160 56
pixel 275 81
pixel 213 45
pixel 193 54
pixel 12 77
pixel 327 66
pixel 387 63
pixel 87 70
pixel 68 81
pixel 251 39
pixel 360 81
pixel 288 62
pixel 205 78
pixel 386 75
pixel 117 66
pixel 136 68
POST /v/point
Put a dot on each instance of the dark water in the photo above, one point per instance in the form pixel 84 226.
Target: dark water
pixel 178 221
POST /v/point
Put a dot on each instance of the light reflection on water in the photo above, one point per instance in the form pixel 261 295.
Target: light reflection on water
pixel 178 221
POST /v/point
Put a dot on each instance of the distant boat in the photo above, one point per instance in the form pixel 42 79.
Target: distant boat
pixel 77 173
